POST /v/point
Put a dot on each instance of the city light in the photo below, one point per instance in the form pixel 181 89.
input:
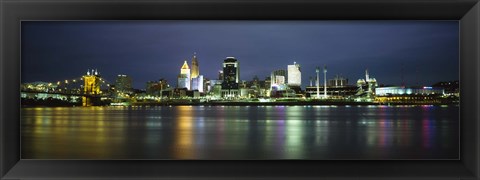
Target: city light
pixel 228 88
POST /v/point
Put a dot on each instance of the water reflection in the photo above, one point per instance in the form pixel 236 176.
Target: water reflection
pixel 183 147
pixel 235 132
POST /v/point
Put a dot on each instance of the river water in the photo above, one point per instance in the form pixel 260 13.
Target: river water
pixel 241 132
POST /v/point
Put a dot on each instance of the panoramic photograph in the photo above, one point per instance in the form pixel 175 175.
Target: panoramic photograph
pixel 240 90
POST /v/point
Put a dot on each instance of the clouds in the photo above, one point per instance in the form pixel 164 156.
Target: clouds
pixel 149 50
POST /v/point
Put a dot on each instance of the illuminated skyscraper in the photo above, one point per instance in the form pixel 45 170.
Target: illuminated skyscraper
pixel 231 77
pixel 195 68
pixel 197 83
pixel 123 83
pixel 184 77
pixel 294 75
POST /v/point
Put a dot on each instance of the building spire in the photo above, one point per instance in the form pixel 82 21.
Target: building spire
pixel 88 71
pixel 185 65
pixel 195 68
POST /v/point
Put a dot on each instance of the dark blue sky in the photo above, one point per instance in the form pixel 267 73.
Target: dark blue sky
pixel 149 50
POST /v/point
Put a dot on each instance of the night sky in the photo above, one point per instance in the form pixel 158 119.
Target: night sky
pixel 425 52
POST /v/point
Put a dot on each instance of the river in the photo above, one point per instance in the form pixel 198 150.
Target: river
pixel 241 132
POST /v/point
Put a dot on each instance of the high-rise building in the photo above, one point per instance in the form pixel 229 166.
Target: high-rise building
pixel 195 68
pixel 294 75
pixel 123 83
pixel 197 83
pixel 184 77
pixel 231 77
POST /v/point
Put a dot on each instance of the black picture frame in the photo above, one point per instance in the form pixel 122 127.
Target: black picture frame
pixel 13 11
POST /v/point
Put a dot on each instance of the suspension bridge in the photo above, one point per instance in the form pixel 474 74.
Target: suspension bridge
pixel 91 87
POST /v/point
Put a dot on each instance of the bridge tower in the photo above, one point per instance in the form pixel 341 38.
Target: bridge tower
pixel 91 88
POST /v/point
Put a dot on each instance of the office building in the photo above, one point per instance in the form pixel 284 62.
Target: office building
pixel 197 83
pixel 294 75
pixel 184 77
pixel 123 83
pixel 278 77
pixel 195 67
pixel 231 78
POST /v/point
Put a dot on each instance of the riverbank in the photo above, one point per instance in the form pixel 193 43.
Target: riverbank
pixel 237 103
pixel 300 103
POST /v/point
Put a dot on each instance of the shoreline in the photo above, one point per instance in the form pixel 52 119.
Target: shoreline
pixel 322 103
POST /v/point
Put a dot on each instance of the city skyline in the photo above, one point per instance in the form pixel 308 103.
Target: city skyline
pixel 64 54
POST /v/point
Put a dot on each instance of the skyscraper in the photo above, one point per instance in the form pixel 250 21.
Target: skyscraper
pixel 294 75
pixel 195 68
pixel 231 77
pixel 184 77
pixel 197 83
pixel 123 83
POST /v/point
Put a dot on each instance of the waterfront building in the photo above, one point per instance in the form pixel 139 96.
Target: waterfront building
pixel 397 90
pixel 179 93
pixel 244 92
pixel 340 92
pixel 184 77
pixel 216 92
pixel 409 95
pixel 231 78
pixel 123 83
pixel 154 88
pixel 193 94
pixel 294 75
pixel 214 82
